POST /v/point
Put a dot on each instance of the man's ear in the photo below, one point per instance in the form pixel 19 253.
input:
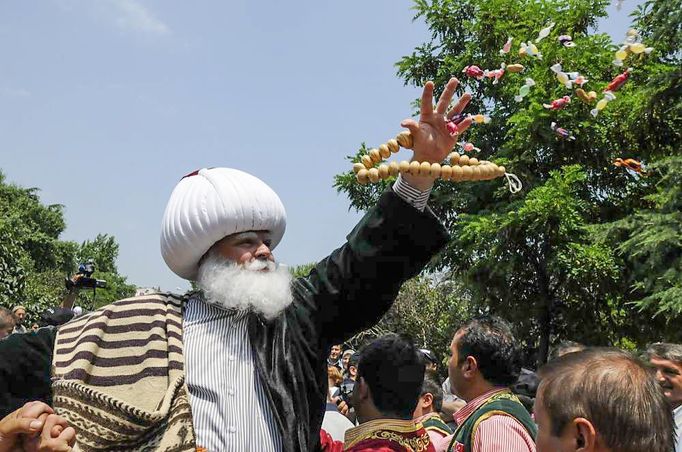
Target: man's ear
pixel 426 400
pixel 584 435
pixel 362 389
pixel 470 366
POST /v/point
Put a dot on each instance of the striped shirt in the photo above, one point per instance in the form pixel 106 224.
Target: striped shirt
pixel 498 433
pixel 230 410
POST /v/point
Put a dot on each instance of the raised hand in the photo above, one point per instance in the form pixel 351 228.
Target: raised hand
pixel 432 140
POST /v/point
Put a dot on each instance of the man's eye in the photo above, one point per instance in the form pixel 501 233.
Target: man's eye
pixel 267 243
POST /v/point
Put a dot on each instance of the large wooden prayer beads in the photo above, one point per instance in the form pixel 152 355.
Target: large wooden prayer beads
pixel 461 167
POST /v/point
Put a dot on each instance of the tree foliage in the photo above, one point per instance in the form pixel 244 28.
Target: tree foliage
pixel 569 255
pixel 34 261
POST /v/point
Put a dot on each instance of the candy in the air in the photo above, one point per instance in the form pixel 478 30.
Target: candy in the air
pixel 558 104
pixel 495 74
pixel 469 147
pixel 630 164
pixel 507 46
pixel 530 49
pixel 579 80
pixel 452 128
pixel 474 71
pixel 561 76
pixel 561 132
pixel 524 90
pixel 515 68
pixel 545 32
pixel 608 97
pixel 588 98
pixel 480 119
pixel 566 41
pixel 618 81
pixel 632 45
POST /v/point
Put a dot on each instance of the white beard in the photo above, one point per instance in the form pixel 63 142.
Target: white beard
pixel 246 287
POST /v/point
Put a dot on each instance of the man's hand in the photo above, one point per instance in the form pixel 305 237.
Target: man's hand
pixel 432 141
pixel 35 427
pixel 341 406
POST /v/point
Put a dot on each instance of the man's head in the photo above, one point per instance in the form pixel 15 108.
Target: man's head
pixel 6 322
pixel 601 400
pixel 666 359
pixel 219 229
pixel 389 380
pixel 430 398
pixel 484 354
pixel 353 366
pixel 430 360
pixel 19 314
pixel 346 357
pixel 335 352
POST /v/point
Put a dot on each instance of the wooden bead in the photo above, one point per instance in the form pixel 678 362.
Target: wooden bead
pixel 473 161
pixel 383 171
pixel 475 173
pixel 486 172
pixel 393 168
pixel 405 139
pixel 393 145
pixel 363 176
pixel 357 167
pixel 500 171
pixel 467 173
pixel 384 151
pixel 404 167
pixel 445 172
pixel 414 168
pixel 456 173
pixel 435 170
pixel 375 155
pixel 463 160
pixel 454 158
pixel 424 169
pixel 373 175
pixel 367 161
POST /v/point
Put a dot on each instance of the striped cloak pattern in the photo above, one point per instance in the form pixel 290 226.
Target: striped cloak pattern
pixel 118 377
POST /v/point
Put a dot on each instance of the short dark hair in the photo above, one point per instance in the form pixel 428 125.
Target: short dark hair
pixel 616 392
pixel 6 318
pixel 431 386
pixel 491 342
pixel 664 350
pixel 394 371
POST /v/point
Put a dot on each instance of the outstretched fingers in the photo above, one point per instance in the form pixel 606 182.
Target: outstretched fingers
pixel 426 109
pixel 460 105
pixel 446 97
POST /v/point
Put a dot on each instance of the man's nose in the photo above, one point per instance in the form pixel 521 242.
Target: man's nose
pixel 263 252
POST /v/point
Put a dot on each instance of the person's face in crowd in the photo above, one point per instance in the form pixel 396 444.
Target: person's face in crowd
pixel 246 247
pixel 669 376
pixel 19 314
pixel 4 332
pixel 335 352
pixel 345 359
pixel 424 406
pixel 35 327
pixel 455 371
pixel 579 435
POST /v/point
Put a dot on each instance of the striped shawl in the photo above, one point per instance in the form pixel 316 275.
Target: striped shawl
pixel 119 379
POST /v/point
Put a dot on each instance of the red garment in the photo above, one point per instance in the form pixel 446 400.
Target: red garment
pixel 328 443
pixel 388 435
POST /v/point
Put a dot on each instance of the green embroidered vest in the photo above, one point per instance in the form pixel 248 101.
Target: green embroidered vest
pixel 504 403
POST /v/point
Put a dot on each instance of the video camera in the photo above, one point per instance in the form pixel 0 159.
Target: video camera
pixel 85 279
pixel 346 392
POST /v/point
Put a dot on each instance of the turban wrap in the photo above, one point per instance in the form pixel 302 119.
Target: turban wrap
pixel 210 204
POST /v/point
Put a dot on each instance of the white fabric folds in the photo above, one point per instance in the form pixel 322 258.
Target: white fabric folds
pixel 210 204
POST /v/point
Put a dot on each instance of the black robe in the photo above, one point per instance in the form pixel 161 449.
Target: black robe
pixel 345 293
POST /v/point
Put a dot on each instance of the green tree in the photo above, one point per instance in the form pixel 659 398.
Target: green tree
pixel 34 261
pixel 537 257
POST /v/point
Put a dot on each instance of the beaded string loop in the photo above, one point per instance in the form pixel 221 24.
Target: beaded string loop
pixel 461 167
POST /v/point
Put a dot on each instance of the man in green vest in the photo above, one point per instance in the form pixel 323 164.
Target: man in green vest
pixel 484 361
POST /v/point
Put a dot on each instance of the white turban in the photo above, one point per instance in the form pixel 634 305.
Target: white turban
pixel 210 204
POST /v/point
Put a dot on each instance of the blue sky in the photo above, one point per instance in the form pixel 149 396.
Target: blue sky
pixel 105 104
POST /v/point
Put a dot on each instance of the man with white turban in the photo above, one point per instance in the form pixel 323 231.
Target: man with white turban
pixel 240 364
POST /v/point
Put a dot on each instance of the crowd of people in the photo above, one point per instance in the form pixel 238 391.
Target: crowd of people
pixel 250 359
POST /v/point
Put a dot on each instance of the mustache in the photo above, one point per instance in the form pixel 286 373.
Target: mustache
pixel 260 264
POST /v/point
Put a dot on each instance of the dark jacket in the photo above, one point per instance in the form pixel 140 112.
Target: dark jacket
pixel 391 243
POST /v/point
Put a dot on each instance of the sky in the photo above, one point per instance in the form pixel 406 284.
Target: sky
pixel 105 104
